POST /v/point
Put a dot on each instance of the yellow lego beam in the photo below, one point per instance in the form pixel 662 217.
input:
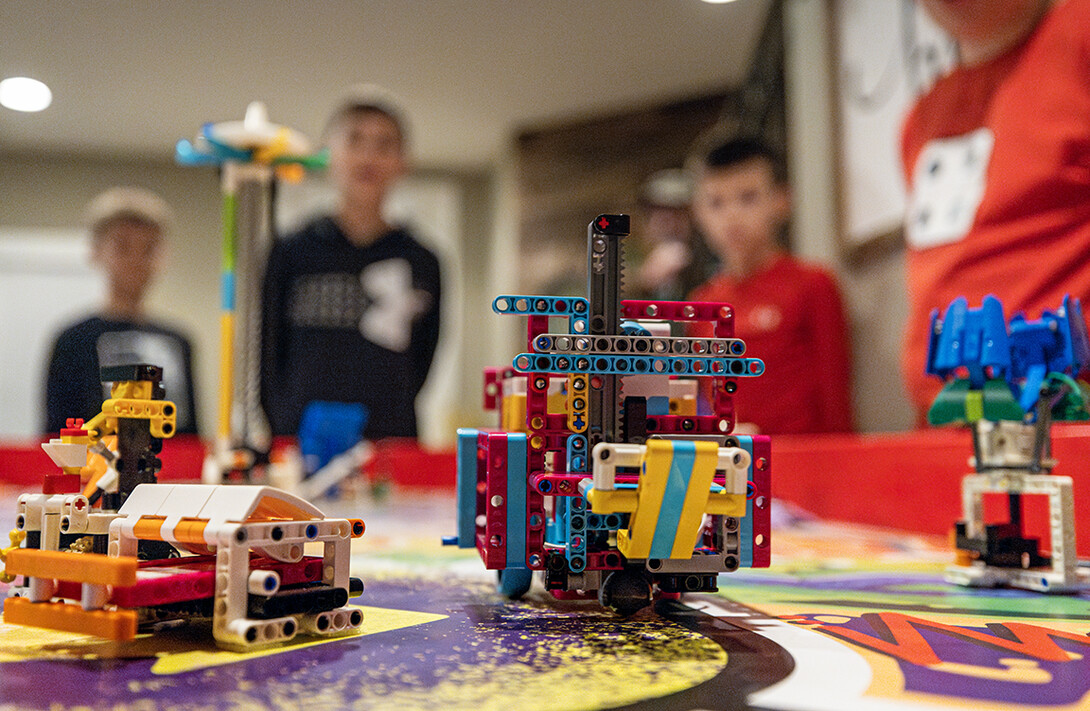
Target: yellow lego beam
pixel 636 541
pixel 612 500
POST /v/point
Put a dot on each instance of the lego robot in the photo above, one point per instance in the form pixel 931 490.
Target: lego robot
pixel 1008 386
pixel 602 474
pixel 105 550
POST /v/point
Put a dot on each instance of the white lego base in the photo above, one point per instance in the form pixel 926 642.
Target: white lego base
pixel 1044 580
pixel 1062 576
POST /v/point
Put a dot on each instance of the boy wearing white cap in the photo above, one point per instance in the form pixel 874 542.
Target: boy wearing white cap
pixel 128 227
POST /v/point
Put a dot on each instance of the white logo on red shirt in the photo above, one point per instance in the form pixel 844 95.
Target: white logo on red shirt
pixel 764 318
pixel 948 184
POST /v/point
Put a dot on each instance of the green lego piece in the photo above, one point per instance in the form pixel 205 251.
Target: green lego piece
pixel 1000 403
pixel 949 404
pixel 1072 406
pixel 956 402
pixel 974 405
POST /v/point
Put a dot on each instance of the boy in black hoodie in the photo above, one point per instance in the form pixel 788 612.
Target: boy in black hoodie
pixel 351 304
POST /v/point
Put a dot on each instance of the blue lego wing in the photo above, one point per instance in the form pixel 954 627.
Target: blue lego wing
pixel 975 339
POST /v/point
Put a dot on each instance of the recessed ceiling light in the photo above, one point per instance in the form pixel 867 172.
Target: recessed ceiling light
pixel 24 94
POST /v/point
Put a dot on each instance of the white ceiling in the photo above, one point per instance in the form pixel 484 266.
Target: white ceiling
pixel 131 77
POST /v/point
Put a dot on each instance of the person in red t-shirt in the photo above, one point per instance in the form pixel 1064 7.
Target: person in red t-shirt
pixel 996 158
pixel 789 313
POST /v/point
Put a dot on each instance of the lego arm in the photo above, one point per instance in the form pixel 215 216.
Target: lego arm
pixel 133 399
pixel 16 538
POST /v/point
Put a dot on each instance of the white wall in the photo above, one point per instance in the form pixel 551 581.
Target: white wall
pixel 46 282
pixel 875 292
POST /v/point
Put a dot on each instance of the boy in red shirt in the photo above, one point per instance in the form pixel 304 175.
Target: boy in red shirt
pixel 997 161
pixel 790 314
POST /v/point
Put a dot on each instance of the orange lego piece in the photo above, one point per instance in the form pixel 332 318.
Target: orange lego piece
pixel 118 625
pixel 148 528
pixel 80 567
pixel 191 531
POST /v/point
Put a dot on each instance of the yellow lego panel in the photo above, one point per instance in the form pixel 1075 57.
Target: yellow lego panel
pixel 724 504
pixel 636 541
pixel 556 403
pixel 616 501
pixel 118 625
pixel 696 500
pixel 513 413
pixel 679 517
pixel 685 406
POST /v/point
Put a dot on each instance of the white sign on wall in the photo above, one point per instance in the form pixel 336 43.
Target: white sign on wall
pixel 888 51
pixel 46 283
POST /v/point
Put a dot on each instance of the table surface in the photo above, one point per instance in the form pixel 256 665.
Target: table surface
pixel 848 617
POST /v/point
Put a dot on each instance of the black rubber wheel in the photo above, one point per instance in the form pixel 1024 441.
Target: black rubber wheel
pixel 626 592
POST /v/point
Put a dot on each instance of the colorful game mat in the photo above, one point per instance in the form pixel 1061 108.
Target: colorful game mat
pixel 846 618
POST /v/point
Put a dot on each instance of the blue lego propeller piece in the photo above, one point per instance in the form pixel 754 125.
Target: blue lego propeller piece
pixel 1056 343
pixel 225 151
pixel 188 154
pixel 633 328
pixel 208 152
pixel 974 339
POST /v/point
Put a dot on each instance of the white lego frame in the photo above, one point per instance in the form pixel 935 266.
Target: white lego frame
pixel 1063 575
pixel 231 532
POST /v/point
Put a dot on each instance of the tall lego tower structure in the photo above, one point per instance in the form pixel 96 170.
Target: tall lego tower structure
pixel 603 474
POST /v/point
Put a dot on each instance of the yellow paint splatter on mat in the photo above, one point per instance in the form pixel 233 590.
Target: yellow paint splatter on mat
pixel 560 660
